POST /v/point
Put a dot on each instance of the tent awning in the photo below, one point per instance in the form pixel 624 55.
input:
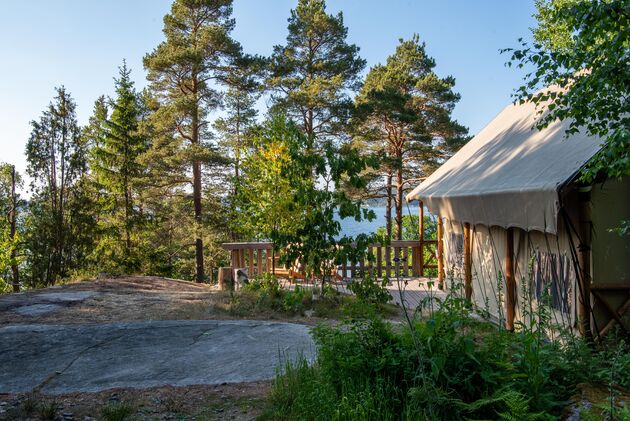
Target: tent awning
pixel 509 174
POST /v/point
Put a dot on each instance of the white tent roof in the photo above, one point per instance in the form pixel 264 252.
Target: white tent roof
pixel 510 174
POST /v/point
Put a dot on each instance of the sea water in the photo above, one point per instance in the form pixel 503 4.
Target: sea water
pixel 351 228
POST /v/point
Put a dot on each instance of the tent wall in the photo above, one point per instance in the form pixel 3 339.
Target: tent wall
pixel 543 268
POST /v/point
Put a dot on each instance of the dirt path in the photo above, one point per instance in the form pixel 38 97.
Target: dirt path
pixel 110 300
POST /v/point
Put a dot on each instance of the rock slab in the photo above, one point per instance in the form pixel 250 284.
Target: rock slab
pixel 59 359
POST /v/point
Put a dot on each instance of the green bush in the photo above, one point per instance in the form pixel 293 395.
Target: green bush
pixel 370 290
pixel 446 366
pixel 293 301
pixel 265 296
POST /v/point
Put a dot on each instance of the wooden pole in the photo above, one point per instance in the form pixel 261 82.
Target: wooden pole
pixel 584 260
pixel 421 220
pixel 510 282
pixel 421 237
pixel 467 262
pixel 440 252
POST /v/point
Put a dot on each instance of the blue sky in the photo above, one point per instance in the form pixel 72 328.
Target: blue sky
pixel 81 43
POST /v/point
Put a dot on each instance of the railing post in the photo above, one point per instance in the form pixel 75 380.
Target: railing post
pixel 421 236
pixel 379 261
pixel 251 262
pixel 234 256
pixel 417 259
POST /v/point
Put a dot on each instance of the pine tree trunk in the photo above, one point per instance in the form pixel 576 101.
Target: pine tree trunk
pixel 237 151
pixel 128 204
pixel 199 275
pixel 388 206
pixel 59 262
pixel 12 217
pixel 127 220
pixel 309 131
pixel 399 203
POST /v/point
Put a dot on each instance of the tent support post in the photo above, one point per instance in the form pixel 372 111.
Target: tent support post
pixel 584 260
pixel 440 252
pixel 421 235
pixel 467 262
pixel 510 282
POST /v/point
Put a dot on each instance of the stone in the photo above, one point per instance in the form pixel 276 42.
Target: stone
pixel 66 297
pixel 97 357
pixel 37 309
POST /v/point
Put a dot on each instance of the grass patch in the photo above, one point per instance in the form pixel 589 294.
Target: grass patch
pixel 119 411
pixel 48 410
pixel 266 298
pixel 29 406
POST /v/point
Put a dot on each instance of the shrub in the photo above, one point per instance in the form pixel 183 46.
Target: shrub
pixel 371 290
pixel 293 301
pixel 48 410
pixel 446 366
pixel 119 411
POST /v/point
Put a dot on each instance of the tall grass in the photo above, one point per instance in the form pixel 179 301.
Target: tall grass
pixel 444 366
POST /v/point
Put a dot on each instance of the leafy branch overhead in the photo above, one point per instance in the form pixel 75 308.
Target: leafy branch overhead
pixel 582 47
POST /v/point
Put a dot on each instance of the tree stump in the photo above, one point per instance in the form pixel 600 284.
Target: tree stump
pixel 226 281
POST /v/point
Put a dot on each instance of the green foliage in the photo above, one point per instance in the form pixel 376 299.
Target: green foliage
pixel 118 411
pixel 116 147
pixel 370 290
pixel 11 228
pixel 291 193
pixel 266 294
pixel 235 129
pixel 582 47
pixel 445 366
pixel 404 114
pixel 48 410
pixel 198 50
pixel 410 226
pixel 312 75
pixel 61 220
pixel 270 181
pixel 28 406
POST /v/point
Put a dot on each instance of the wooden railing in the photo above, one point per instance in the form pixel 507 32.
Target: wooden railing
pixel 398 259
pixel 254 256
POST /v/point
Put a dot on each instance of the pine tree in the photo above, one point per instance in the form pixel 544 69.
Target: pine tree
pixel 404 113
pixel 196 52
pixel 239 102
pixel 10 241
pixel 115 166
pixel 56 154
pixel 314 73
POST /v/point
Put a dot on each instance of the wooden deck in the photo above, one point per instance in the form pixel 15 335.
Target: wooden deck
pixel 414 292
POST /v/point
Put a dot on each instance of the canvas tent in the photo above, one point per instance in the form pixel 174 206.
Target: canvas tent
pixel 516 226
